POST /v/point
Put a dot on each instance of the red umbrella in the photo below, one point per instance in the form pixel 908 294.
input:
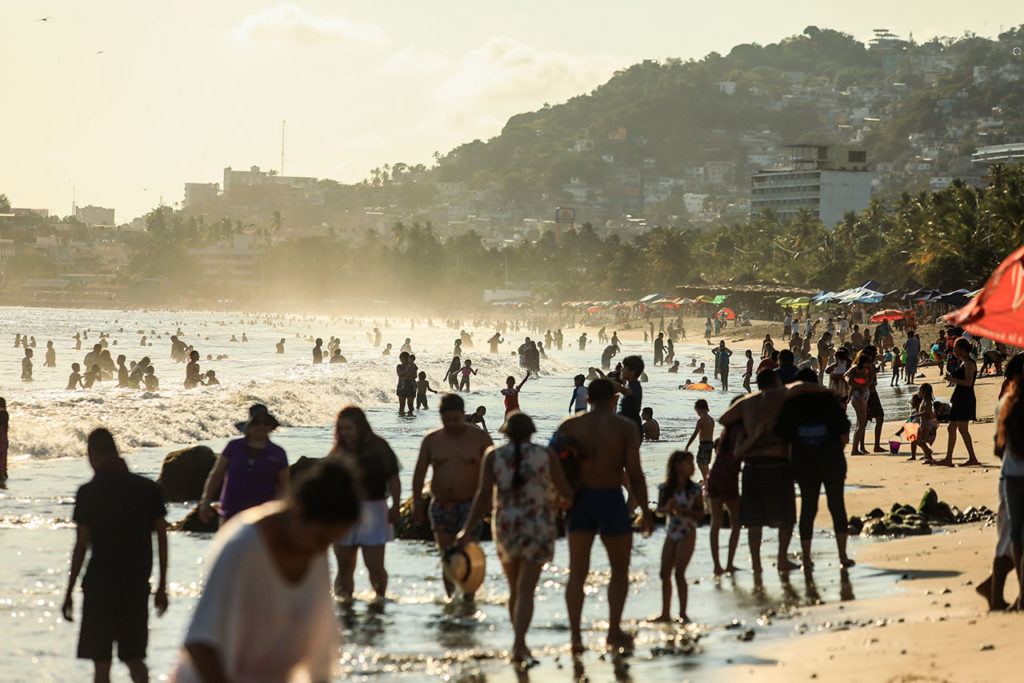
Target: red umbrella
pixel 593 309
pixel 997 313
pixel 888 314
pixel 729 315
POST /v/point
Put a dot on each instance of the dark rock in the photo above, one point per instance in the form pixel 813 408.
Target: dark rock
pixel 407 528
pixel 895 508
pixel 746 636
pixel 943 513
pixel 907 510
pixel 876 527
pixel 300 466
pixel 928 502
pixel 875 514
pixel 191 522
pixel 856 525
pixel 184 472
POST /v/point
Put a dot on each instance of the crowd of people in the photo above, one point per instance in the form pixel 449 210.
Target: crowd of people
pixel 787 433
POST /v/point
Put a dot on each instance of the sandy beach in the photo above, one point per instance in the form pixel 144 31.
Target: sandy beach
pixel 937 628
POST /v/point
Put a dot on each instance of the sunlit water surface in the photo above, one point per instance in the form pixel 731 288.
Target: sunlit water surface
pixel 415 633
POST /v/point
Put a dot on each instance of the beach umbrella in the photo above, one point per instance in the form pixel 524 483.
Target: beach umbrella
pixel 802 301
pixel 593 309
pixel 785 301
pixel 887 314
pixel 729 315
pixel 719 299
pixel 997 313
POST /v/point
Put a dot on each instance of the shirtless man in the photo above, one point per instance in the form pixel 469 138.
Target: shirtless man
pixel 705 429
pixel 652 430
pixel 608 445
pixel 455 452
pixel 767 497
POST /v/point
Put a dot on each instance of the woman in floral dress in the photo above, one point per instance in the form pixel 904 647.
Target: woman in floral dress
pixel 520 474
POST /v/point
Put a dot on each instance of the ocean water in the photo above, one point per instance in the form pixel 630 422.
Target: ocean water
pixel 417 632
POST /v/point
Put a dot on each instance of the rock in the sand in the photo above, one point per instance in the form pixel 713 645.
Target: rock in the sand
pixel 407 528
pixel 856 525
pixel 184 472
pixel 191 522
pixel 875 514
pixel 928 502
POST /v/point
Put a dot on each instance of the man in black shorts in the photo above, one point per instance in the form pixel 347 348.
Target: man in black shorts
pixel 607 445
pixel 767 497
pixel 116 513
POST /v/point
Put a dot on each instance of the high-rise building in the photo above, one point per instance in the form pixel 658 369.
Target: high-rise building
pixel 199 193
pixel 95 215
pixel 828 180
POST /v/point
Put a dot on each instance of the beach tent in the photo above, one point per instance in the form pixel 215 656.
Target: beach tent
pixel 956 298
pixel 729 315
pixel 997 313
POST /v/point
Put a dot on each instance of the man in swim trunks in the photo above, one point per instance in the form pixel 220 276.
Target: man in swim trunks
pixel 608 445
pixel 767 497
pixel 454 452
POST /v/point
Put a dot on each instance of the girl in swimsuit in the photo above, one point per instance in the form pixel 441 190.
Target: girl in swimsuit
pixel 681 501
pixel 858 377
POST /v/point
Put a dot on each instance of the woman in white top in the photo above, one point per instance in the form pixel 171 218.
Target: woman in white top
pixel 520 476
pixel 266 612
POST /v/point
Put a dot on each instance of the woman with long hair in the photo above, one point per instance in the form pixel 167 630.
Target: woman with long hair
pixel 963 403
pixel 373 459
pixel 519 476
pixel 858 378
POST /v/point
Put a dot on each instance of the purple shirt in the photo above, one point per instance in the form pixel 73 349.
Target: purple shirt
pixel 250 479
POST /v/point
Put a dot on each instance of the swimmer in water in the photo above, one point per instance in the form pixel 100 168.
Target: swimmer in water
pixel 75 378
pixel 26 366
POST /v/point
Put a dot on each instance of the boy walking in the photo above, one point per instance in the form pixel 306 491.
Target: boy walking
pixel 705 429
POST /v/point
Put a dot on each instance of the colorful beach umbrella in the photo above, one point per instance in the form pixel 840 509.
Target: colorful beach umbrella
pixel 888 314
pixel 729 315
pixel 997 313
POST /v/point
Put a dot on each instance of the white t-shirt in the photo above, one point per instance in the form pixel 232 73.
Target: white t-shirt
pixel 264 627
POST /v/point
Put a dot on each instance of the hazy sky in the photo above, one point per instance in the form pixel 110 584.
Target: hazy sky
pixel 126 101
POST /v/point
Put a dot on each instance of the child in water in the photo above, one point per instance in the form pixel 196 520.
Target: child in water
pixel 26 366
pixel 511 393
pixel 75 378
pixel 467 369
pixel 680 501
pixel 150 380
pixel 422 387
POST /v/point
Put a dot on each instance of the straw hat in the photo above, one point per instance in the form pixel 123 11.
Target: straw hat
pixel 465 567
